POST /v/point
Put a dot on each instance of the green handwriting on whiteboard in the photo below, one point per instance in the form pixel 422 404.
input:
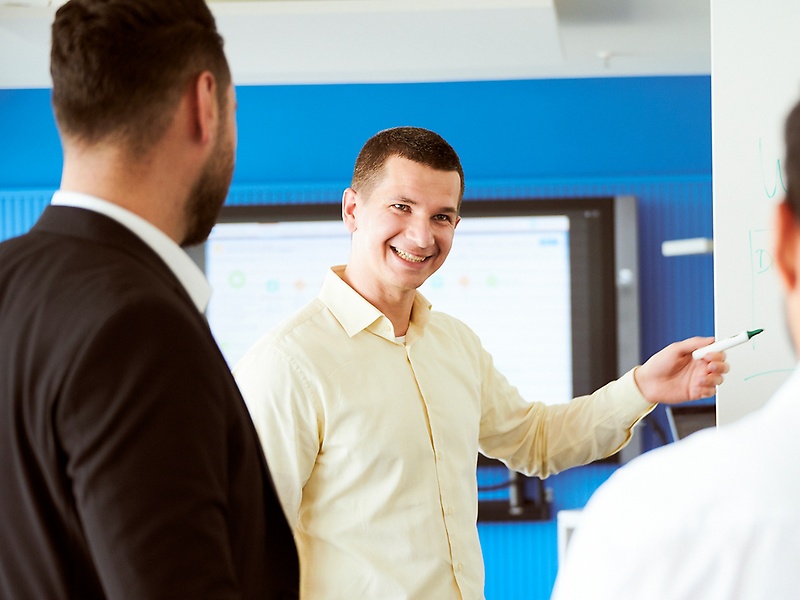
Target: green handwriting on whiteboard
pixel 760 265
pixel 763 260
pixel 777 178
pixel 773 372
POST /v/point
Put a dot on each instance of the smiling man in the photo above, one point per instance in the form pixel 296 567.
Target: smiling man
pixel 372 407
pixel 403 239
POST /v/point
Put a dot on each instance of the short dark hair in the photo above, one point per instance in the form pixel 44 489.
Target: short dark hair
pixel 414 143
pixel 119 67
pixel 791 165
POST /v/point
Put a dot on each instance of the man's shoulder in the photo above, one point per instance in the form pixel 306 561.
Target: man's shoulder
pixel 443 324
pixel 694 476
pixel 310 319
pixel 306 328
pixel 443 319
pixel 58 274
pixel 684 458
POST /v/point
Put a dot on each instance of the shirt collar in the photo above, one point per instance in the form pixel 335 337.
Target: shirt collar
pixel 356 314
pixel 184 268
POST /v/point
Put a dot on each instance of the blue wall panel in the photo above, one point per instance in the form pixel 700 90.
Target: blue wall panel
pixel 30 151
pixel 19 210
pixel 647 137
pixel 503 130
pixel 552 129
pixel 522 558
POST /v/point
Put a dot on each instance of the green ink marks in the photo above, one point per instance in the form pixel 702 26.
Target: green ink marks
pixel 760 267
pixel 778 174
pixel 763 260
pixel 773 372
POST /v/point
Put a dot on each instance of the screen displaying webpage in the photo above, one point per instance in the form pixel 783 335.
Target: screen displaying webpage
pixel 507 278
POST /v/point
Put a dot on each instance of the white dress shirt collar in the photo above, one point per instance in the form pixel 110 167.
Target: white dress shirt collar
pixel 184 268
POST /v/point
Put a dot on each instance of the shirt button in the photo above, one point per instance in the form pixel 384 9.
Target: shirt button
pixel 459 567
pixel 449 511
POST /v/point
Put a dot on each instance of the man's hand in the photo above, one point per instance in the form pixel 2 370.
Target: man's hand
pixel 671 375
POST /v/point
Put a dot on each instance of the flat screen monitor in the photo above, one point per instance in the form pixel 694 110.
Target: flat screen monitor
pixel 550 286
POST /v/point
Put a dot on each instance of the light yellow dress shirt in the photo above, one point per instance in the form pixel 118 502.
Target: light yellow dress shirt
pixel 373 444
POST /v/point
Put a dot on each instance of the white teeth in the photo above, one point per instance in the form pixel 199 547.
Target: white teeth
pixel 408 257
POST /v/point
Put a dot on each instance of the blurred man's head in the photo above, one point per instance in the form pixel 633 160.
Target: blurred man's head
pixel 787 226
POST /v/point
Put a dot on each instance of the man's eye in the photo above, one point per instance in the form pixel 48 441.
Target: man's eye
pixel 442 217
pixel 400 206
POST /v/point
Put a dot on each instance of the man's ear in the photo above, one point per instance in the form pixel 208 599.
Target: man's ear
pixel 349 209
pixel 786 245
pixel 207 113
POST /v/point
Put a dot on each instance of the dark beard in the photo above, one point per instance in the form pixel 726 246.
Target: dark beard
pixel 208 195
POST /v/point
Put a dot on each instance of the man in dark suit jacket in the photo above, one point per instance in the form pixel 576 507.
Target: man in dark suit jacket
pixel 129 465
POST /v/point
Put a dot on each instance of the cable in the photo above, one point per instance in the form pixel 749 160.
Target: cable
pixel 497 486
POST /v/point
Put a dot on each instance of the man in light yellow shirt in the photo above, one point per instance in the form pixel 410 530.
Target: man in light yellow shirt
pixel 373 408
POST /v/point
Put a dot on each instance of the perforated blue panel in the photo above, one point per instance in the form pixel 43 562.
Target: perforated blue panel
pixel 19 210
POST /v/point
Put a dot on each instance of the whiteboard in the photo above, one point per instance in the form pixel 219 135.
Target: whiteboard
pixel 755 80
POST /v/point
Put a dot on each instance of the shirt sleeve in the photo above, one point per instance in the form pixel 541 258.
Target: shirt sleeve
pixel 285 413
pixel 539 439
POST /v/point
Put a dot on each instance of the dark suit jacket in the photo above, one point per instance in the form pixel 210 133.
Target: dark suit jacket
pixel 129 466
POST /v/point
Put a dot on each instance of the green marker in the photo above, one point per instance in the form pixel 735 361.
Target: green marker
pixel 730 342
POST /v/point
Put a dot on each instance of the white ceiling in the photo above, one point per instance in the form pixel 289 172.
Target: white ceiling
pixel 354 41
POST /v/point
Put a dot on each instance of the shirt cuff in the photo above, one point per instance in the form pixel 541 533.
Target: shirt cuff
pixel 633 399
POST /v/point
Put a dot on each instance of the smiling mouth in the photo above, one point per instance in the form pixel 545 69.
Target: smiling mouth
pixel 409 257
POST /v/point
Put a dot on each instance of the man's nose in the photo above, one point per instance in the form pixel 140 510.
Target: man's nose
pixel 420 232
